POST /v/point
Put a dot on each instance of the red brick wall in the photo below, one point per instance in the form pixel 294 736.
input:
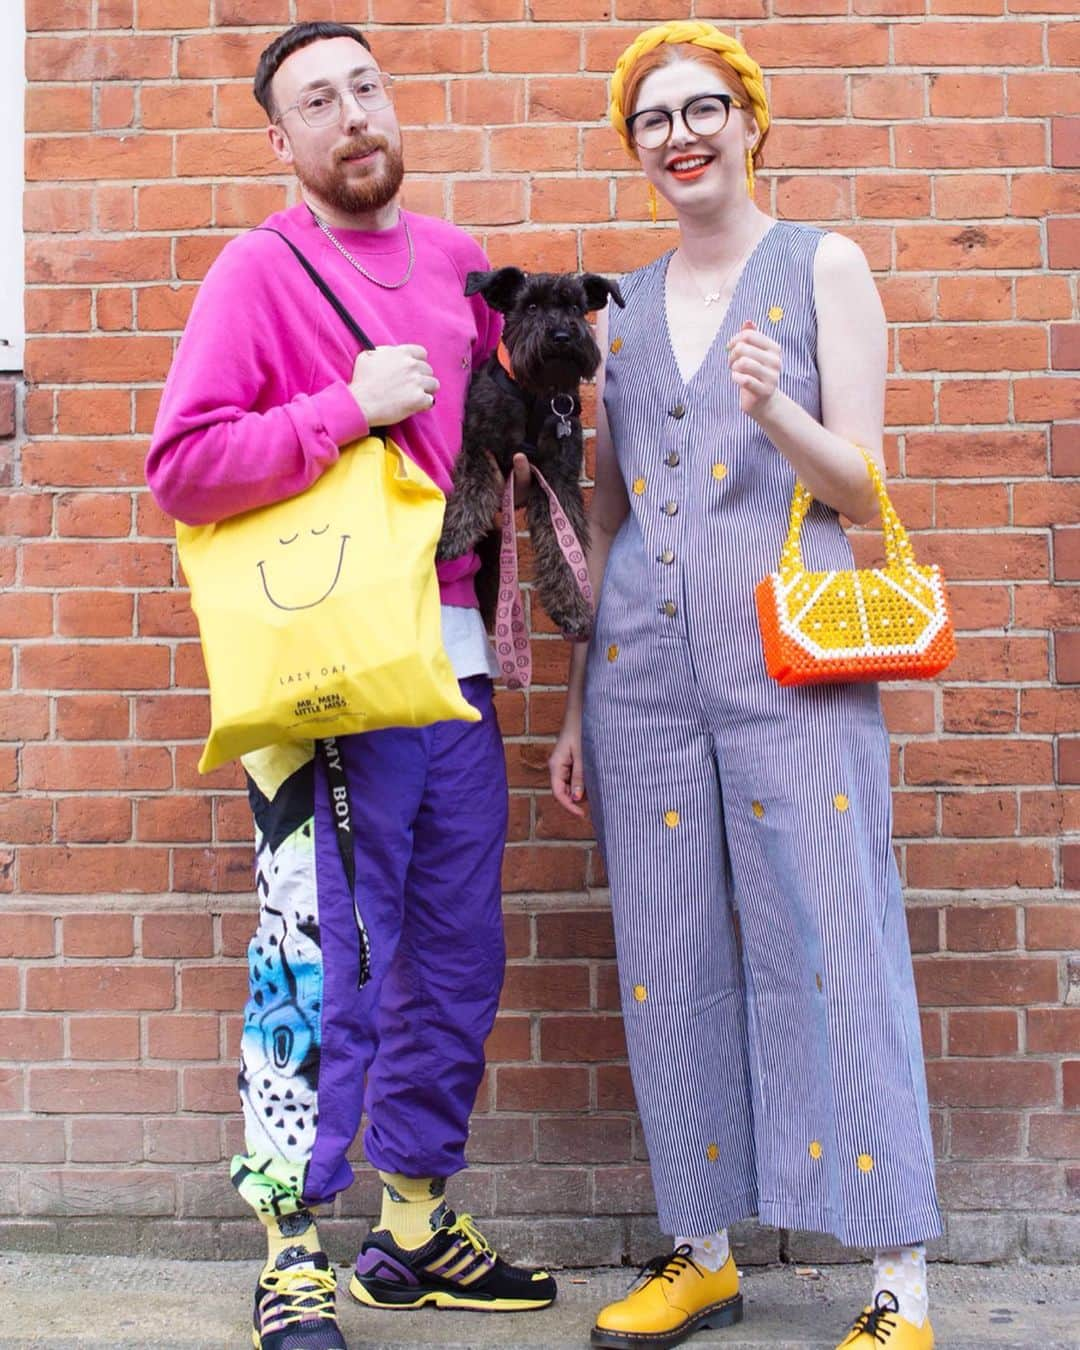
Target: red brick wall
pixel 944 137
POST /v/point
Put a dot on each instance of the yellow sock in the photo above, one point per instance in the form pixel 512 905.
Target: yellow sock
pixel 412 1207
pixel 290 1230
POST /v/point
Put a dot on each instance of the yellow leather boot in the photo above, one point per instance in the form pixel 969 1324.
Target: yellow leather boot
pixel 882 1328
pixel 672 1298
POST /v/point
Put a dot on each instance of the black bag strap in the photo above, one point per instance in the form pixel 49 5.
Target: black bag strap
pixel 339 309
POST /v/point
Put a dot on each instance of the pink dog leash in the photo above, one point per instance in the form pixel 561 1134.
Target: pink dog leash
pixel 511 633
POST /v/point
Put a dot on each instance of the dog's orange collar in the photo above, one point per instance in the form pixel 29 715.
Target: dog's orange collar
pixel 504 359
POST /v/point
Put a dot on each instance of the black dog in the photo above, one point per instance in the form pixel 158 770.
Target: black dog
pixel 532 408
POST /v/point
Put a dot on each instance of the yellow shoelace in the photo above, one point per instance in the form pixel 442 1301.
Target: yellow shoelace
pixel 465 1227
pixel 311 1291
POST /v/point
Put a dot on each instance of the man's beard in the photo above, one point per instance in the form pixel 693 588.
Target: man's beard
pixel 370 193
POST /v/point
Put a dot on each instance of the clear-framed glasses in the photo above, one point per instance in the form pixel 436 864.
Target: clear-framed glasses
pixel 372 90
pixel 704 115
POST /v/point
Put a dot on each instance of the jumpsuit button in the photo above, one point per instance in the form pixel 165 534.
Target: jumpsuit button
pixel 669 608
pixel 840 802
pixel 613 652
pixel 818 981
pixel 757 809
pixel 678 412
pixel 719 471
pixel 638 486
pixel 667 557
pixel 815 1148
pixel 671 508
pixel 865 1163
pixel 640 993
pixel 672 459
pixel 671 819
pixel 712 1152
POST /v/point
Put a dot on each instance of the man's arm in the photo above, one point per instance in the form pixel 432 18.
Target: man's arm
pixel 231 434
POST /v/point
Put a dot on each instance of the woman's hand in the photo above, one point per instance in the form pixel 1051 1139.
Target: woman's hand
pixel 565 766
pixel 754 362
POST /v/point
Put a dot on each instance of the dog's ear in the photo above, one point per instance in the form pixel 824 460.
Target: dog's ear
pixel 597 290
pixel 499 288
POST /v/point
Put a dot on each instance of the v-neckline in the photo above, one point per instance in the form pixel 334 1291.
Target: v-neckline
pixel 750 258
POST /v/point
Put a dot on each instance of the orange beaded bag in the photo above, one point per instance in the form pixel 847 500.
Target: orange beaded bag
pixel 885 623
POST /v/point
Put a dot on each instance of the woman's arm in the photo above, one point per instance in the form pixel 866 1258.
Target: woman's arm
pixel 607 511
pixel 851 358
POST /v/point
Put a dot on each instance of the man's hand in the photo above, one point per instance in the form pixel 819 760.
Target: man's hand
pixel 522 471
pixel 392 383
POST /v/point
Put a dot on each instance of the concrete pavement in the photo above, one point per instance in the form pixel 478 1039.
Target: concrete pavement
pixel 125 1303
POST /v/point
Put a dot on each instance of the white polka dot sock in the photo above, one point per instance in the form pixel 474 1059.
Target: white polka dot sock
pixel 710 1252
pixel 903 1270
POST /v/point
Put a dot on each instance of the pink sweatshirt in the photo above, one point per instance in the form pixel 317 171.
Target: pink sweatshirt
pixel 257 403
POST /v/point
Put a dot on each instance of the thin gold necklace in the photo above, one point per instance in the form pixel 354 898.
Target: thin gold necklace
pixel 386 285
pixel 713 297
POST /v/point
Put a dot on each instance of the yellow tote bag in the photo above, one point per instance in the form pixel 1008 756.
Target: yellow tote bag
pixel 319 615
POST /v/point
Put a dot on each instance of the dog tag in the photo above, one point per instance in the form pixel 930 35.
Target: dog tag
pixel 563 430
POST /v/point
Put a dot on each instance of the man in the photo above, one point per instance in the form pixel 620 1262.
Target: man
pixel 266 389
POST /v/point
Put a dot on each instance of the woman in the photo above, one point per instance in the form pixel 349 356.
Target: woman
pixel 777 1063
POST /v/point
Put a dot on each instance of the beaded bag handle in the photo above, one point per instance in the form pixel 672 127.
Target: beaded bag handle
pixel 899 554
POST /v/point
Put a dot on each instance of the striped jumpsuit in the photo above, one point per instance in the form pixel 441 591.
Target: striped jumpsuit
pixel 764 966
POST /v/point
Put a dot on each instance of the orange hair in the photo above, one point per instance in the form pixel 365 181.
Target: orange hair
pixel 665 55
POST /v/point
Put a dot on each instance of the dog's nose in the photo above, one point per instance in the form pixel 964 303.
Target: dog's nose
pixel 562 336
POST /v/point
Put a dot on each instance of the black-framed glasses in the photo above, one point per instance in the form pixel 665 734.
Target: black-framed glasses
pixel 704 115
pixel 372 90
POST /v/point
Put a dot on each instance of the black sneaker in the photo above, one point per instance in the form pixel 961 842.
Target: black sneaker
pixel 294 1304
pixel 455 1269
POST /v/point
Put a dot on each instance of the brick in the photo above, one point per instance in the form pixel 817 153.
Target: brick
pixel 104 1038
pixel 979 761
pixel 113 988
pixel 92 717
pixel 981 928
pixel 541 1088
pixel 34 1141
pixel 961 866
pixel 985 1134
pixel 593 1139
pixel 959 196
pixel 98 935
pixel 585 1040
pixel 1065 142
pixel 189 1139
pixel 1052 928
pixel 979 95
pixel 991 1032
pixel 36 1037
pixel 27 935
pixel 986 981
pixel 70 1091
pixel 1054 1136
pixel 216 988
pixel 948 248
pixel 176 935
pixel 178 1036
pixel 990 1082
pixel 990 815
pixel 106 1139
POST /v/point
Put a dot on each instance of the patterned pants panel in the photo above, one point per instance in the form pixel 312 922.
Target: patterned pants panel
pixel 395 981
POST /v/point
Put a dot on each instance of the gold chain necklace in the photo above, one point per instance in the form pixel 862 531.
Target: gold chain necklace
pixel 713 297
pixel 386 285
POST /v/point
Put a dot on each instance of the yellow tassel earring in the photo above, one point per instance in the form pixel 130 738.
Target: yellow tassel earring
pixel 652 204
pixel 750 173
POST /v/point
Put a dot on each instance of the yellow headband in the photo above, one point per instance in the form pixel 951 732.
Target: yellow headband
pixel 697 35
